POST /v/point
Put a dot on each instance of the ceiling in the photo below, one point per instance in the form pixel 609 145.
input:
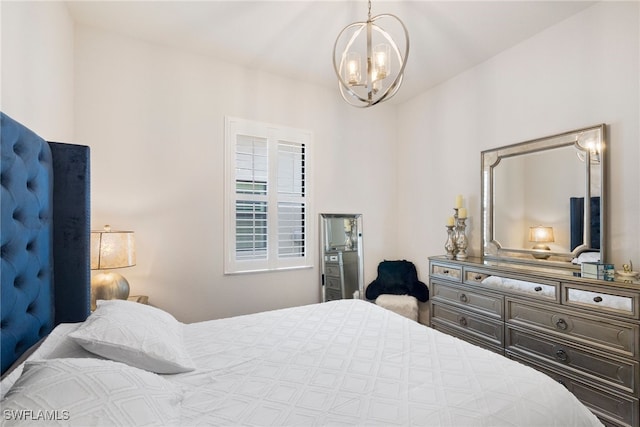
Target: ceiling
pixel 295 38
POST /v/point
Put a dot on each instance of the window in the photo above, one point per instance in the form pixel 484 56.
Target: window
pixel 267 215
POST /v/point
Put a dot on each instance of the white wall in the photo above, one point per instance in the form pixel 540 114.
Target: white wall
pixel 582 72
pixel 154 118
pixel 37 67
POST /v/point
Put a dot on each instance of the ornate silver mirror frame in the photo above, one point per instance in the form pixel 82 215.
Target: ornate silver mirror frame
pixel 541 188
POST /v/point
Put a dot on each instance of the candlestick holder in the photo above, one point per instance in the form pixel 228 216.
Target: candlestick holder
pixel 461 239
pixel 450 245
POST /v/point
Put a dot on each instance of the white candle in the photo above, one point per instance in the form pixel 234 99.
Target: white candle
pixel 459 201
pixel 462 213
pixel 450 221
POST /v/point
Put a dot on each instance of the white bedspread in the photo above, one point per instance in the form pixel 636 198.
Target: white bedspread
pixel 351 362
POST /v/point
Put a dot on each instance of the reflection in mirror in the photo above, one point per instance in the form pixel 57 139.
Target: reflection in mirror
pixel 534 199
pixel 342 265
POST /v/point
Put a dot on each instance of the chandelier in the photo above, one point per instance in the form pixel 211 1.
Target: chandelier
pixel 384 62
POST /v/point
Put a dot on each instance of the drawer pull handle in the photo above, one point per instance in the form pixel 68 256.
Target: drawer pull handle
pixel 561 324
pixel 463 321
pixel 463 298
pixel 562 355
pixel 537 288
pixel 445 271
pixel 478 277
pixel 597 299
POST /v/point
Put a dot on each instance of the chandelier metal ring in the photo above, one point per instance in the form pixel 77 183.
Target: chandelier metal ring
pixel 373 90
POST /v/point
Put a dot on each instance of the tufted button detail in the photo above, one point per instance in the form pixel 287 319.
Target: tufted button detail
pixel 18 149
pixel 19 347
pixel 17 282
pixel 30 246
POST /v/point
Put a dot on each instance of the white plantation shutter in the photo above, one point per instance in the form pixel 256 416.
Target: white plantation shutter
pixel 267 221
pixel 251 181
pixel 291 199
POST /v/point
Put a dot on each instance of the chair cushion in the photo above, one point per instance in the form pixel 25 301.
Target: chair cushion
pixel 404 305
pixel 397 278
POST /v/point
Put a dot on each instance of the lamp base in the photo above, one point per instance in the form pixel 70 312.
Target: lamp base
pixel 108 285
pixel 541 247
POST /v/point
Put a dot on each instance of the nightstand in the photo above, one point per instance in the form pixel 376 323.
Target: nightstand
pixel 142 299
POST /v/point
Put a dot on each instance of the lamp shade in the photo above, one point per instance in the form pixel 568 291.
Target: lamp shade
pixel 112 249
pixel 541 234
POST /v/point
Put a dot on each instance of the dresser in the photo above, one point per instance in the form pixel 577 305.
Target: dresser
pixel 340 274
pixel 585 333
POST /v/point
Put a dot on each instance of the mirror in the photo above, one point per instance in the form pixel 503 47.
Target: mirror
pixel 543 200
pixel 342 269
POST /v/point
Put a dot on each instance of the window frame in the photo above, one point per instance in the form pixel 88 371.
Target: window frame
pixel 273 134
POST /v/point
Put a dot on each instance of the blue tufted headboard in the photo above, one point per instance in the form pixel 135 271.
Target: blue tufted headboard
pixel 45 229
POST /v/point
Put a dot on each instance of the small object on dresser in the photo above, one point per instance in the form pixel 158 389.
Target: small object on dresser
pixel 597 270
pixel 141 299
pixel 450 245
pixel 461 238
pixel 627 271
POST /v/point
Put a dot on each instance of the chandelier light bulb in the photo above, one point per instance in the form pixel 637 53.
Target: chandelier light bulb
pixel 381 55
pixel 352 74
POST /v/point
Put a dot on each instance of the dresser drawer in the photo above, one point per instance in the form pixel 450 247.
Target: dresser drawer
pixel 542 290
pixel 332 294
pixel 333 283
pixel 490 305
pixel 332 270
pixel 471 276
pixel 447 272
pixel 610 407
pixel 470 323
pixel 620 303
pixel 609 336
pixel 619 373
pixel 459 333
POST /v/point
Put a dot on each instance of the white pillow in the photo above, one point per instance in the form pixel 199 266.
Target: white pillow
pixel 136 334
pixel 82 392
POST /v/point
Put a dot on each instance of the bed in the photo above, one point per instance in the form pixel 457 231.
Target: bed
pixel 345 362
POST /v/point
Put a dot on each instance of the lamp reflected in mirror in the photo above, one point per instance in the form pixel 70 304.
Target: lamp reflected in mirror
pixel 541 236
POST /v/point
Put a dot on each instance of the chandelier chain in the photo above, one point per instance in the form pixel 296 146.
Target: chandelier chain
pixel 369 14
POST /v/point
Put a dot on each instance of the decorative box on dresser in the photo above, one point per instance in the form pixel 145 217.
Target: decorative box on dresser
pixel 585 333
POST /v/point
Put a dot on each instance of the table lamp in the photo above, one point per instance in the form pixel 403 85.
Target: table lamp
pixel 541 235
pixel 109 250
